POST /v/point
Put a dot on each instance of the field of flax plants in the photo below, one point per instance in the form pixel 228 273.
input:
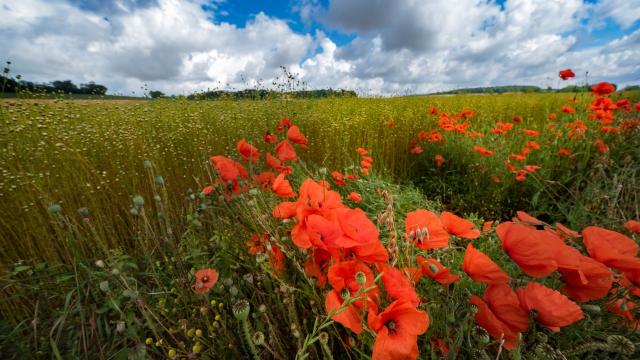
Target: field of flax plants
pixel 334 228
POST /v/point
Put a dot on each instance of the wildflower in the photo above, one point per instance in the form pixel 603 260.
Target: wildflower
pixel 270 138
pixel 483 151
pixel 435 270
pixel 611 248
pixel 355 197
pixel 205 279
pixel 342 277
pixel 566 74
pixel 591 281
pixel 528 132
pixel 439 159
pixel 458 226
pixel 248 151
pixel 416 149
pixel 603 88
pixel 553 309
pixel 426 229
pixel 552 116
pixel 284 123
pixel 397 329
pixel 285 151
pixel 564 152
pixel 517 119
pixel 362 151
pixel 481 268
pixel 296 136
pixel 391 123
pixel 568 109
pixel 529 248
pixel 338 178
pixel 601 145
pixel 229 170
pixel 281 187
pixel 398 286
pixel 633 225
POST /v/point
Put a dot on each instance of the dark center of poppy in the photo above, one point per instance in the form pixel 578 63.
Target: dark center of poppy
pixel 345 294
pixel 205 279
pixel 392 326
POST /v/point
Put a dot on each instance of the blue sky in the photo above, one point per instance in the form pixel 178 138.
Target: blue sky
pixel 371 46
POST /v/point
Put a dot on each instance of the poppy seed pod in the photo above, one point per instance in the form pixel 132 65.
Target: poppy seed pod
pixel 147 164
pixel 361 278
pixel 323 337
pixel 241 310
pixel 83 212
pixel 620 344
pixel 159 180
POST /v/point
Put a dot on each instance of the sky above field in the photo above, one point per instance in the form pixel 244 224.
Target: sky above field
pixel 371 46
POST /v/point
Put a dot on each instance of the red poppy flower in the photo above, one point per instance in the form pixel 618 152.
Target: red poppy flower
pixel 497 329
pixel 207 189
pixel 315 266
pixel 265 179
pixel 205 279
pixel 481 268
pixel 398 285
pixel 568 109
pixel 276 259
pixel 553 309
pixel 285 151
pixel 517 119
pixel 296 136
pixel 362 151
pixel 591 281
pixel 603 88
pixel 564 152
pixel 392 123
pixel 458 226
pixel 486 226
pixel 504 302
pixel 434 269
pixel 529 248
pixel 281 187
pixel 229 170
pixel 416 149
pixel 601 145
pixel 633 225
pixel 566 74
pixel 338 178
pixel 611 248
pixel 248 151
pixel 439 160
pixel 483 151
pixel 355 197
pixel 531 133
pixel 270 138
pixel 284 123
pixel 342 277
pixel 426 229
pixel 397 328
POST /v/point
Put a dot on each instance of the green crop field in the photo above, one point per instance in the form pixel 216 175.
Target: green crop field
pixel 105 220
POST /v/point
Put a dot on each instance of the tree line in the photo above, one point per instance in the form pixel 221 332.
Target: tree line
pixel 11 85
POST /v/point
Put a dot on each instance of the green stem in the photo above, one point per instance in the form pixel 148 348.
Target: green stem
pixel 248 340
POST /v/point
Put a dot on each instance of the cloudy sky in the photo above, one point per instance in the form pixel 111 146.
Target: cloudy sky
pixel 371 46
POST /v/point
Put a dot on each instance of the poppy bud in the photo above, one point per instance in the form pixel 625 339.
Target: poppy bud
pixel 361 278
pixel 233 291
pixel 262 308
pixel 147 164
pixel 157 198
pixel 149 341
pixel 241 310
pixel 159 180
pixel 100 264
pixel 83 212
pixel 138 201
pixel 197 347
pixel 323 337
pixel 258 338
pixel 412 235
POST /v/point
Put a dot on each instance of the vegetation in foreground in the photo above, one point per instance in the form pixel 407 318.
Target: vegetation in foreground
pixel 274 256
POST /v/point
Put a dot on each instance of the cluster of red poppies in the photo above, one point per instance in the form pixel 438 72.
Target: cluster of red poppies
pixel 344 250
pixel 540 250
pixel 602 109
